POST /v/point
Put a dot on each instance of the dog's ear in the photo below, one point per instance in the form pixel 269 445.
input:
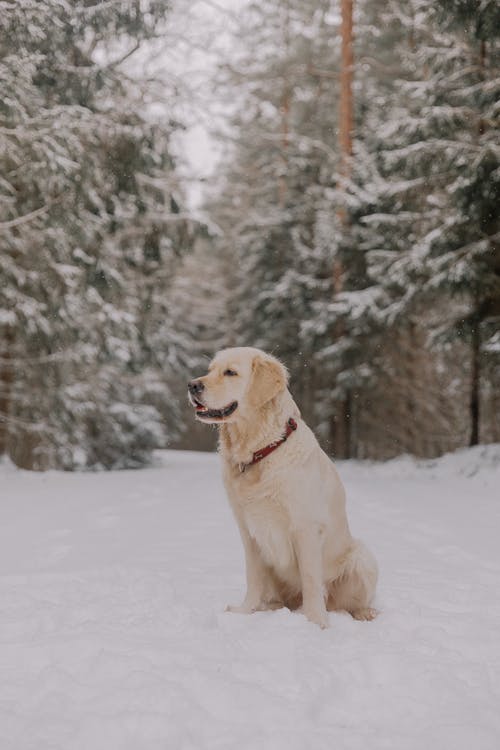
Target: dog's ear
pixel 269 377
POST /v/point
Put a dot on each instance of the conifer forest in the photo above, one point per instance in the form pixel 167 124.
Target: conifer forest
pixel 349 223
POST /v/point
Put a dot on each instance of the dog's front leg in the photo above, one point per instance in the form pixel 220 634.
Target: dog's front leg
pixel 256 576
pixel 308 545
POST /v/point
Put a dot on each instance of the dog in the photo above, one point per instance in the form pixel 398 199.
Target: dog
pixel 285 493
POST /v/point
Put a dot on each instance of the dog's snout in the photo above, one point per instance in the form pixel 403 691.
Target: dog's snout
pixel 195 387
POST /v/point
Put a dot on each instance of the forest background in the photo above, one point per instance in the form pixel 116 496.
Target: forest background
pixel 349 221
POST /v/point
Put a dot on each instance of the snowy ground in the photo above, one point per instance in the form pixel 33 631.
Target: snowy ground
pixel 113 633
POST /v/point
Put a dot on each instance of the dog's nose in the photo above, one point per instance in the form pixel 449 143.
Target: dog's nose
pixel 195 387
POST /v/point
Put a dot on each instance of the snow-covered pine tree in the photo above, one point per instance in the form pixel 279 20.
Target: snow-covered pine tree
pixel 90 228
pixel 465 258
pixel 352 354
pixel 424 195
pixel 337 327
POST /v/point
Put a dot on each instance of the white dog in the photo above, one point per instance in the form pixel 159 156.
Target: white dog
pixel 285 493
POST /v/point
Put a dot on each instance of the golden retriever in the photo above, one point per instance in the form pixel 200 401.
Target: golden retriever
pixel 285 493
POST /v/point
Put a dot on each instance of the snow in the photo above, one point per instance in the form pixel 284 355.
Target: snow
pixel 113 633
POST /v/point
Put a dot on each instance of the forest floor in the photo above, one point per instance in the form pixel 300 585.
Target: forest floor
pixel 113 634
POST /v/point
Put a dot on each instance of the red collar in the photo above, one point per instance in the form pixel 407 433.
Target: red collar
pixel 291 426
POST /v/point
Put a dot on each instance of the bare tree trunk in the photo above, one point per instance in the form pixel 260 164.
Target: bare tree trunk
pixel 341 423
pixel 285 114
pixel 475 384
pixel 346 116
pixel 6 380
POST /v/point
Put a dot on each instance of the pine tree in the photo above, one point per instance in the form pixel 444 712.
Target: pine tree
pixel 91 229
pixel 428 215
pixel 466 259
pixel 414 139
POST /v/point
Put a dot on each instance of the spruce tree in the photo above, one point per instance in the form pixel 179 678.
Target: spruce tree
pixel 91 229
pixel 426 201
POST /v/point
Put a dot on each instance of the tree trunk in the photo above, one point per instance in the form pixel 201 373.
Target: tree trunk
pixel 6 380
pixel 346 116
pixel 285 113
pixel 340 426
pixel 475 384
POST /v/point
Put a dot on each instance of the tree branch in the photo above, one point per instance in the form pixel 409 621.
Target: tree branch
pixel 26 218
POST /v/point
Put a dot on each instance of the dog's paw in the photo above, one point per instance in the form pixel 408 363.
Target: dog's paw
pixel 365 613
pixel 318 618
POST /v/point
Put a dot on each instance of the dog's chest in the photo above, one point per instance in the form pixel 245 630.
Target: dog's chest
pixel 268 523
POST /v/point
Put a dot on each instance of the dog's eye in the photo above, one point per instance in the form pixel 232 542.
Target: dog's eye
pixel 230 373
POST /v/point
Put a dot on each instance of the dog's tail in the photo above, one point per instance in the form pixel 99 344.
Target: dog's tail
pixel 360 560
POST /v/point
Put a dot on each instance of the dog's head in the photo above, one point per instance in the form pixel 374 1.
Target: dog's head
pixel 239 381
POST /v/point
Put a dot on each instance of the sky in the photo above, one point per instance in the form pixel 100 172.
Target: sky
pixel 202 39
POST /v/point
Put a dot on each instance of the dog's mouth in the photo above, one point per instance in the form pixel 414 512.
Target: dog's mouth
pixel 203 412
